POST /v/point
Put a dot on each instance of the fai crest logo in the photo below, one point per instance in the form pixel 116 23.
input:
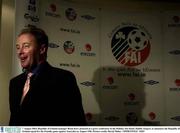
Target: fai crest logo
pixel 69 47
pixel 131 118
pixel 131 45
pixel 71 14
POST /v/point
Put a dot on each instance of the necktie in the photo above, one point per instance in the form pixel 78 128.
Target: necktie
pixel 26 86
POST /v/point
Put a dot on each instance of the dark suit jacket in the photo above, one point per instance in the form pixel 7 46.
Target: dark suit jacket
pixel 53 99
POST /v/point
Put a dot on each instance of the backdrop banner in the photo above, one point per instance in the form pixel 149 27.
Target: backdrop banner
pixel 171 30
pixel 124 62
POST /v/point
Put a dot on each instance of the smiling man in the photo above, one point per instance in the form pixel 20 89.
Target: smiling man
pixel 42 94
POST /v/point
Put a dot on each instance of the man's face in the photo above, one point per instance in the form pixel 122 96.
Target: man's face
pixel 27 51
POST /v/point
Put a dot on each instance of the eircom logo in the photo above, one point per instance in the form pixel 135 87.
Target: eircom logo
pixel 131 45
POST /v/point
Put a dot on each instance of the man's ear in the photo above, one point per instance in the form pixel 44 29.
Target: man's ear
pixel 43 49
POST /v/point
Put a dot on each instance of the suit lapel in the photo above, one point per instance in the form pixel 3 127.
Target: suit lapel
pixel 17 91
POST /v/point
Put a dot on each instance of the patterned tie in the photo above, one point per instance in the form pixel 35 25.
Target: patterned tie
pixel 26 86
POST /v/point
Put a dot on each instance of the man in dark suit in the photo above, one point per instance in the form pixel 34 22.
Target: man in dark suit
pixel 53 97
